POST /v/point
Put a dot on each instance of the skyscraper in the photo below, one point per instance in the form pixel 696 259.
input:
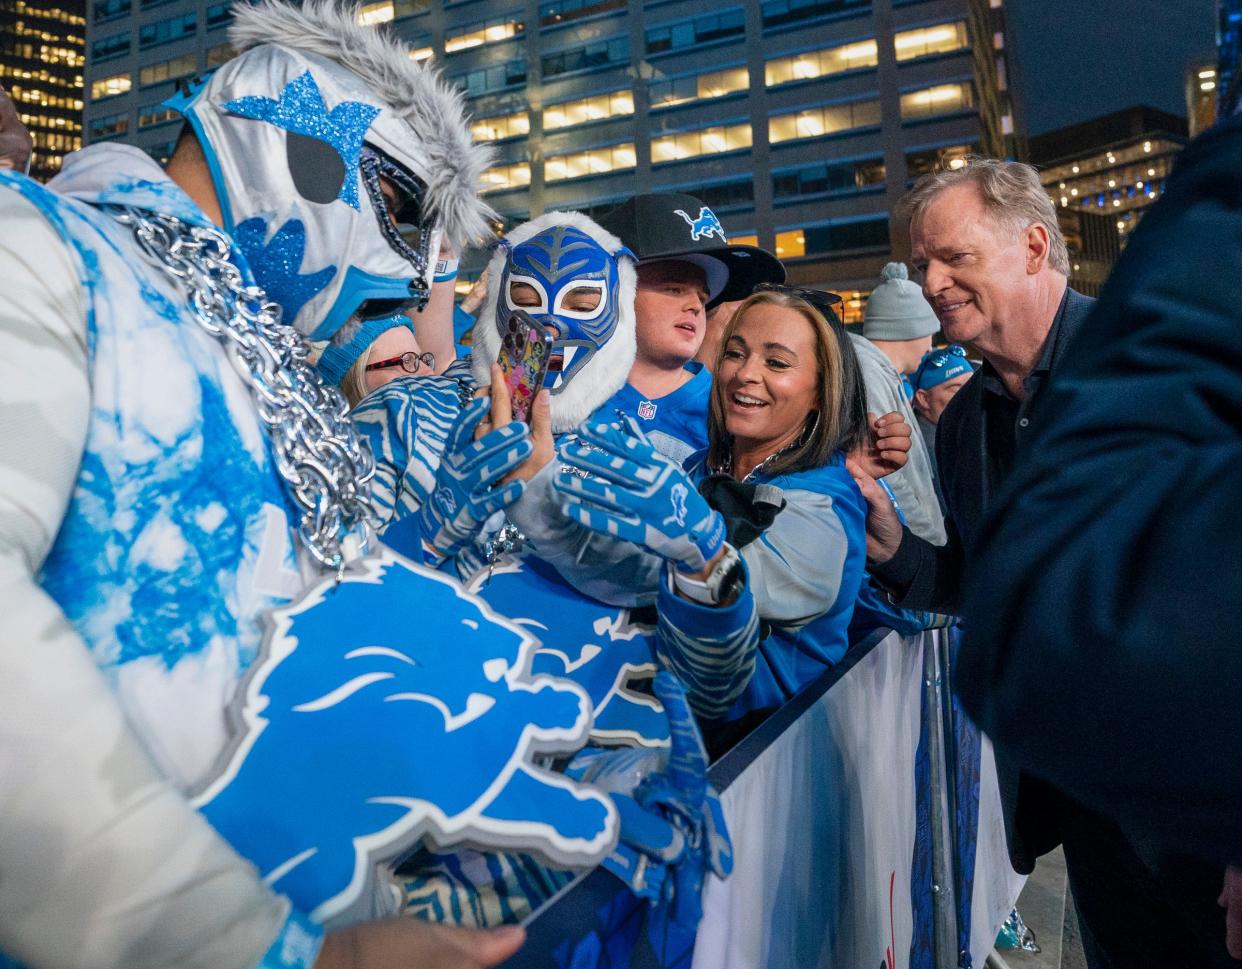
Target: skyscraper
pixel 137 51
pixel 800 122
pixel 42 45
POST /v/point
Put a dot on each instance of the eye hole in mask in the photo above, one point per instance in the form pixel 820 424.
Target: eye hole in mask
pixel 317 169
pixel 582 302
pixel 398 197
pixel 525 295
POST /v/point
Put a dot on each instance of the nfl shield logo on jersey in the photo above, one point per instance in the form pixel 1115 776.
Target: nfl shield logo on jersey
pixel 646 410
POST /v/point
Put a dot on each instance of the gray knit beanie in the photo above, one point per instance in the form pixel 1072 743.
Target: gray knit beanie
pixel 896 310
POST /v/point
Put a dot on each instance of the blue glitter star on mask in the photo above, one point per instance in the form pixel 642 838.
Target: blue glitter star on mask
pixel 301 109
pixel 276 265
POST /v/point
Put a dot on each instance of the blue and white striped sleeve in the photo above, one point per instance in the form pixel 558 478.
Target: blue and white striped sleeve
pixel 406 423
pixel 711 649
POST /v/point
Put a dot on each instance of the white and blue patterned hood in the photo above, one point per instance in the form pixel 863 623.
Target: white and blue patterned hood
pixel 177 538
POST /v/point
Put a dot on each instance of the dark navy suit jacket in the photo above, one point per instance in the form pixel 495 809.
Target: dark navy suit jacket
pixel 1103 648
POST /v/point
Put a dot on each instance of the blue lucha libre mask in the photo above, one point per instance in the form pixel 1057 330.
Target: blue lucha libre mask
pixel 578 280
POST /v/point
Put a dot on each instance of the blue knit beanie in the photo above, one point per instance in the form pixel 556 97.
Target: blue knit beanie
pixel 335 361
pixel 896 309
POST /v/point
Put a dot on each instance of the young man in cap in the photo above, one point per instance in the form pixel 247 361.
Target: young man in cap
pixel 685 266
pixel 898 325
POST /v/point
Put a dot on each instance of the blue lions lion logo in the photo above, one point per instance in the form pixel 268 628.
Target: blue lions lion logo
pixel 392 706
pixel 705 226
pixel 601 648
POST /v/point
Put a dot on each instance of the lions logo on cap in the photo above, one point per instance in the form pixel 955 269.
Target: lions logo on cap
pixel 705 226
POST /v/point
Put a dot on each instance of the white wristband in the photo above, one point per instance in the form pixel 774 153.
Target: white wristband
pixel 446 269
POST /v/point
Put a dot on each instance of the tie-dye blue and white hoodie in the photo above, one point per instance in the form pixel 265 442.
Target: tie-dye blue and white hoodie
pixel 143 533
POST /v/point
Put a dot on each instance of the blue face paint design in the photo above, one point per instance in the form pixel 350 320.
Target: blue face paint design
pixel 276 264
pixel 301 110
pixel 556 263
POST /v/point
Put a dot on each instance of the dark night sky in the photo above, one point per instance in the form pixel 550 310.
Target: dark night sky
pixel 1078 59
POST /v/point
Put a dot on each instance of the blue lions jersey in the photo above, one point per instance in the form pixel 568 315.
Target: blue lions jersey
pixel 676 423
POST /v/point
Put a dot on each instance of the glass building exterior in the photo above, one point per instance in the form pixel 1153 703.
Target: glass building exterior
pixel 800 122
pixel 42 53
pixel 137 51
pixel 1101 175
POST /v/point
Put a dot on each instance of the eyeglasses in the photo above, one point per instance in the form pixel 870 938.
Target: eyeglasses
pixel 829 304
pixel 409 361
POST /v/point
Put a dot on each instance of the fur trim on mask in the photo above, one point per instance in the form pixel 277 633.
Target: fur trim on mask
pixel 434 109
pixel 608 369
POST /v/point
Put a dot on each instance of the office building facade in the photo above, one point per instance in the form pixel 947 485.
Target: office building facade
pixel 1101 175
pixel 42 54
pixel 800 122
pixel 137 51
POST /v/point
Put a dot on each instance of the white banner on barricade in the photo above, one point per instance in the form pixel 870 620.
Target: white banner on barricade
pixel 823 824
pixel 825 829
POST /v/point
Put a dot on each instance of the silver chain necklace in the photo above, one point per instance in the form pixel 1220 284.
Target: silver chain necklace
pixel 317 451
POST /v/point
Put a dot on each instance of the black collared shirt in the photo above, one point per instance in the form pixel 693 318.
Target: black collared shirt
pixel 1007 420
pixel 976 439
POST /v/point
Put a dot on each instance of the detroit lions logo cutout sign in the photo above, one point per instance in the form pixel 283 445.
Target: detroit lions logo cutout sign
pixel 391 707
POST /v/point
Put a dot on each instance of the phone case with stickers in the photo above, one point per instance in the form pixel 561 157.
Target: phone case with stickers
pixel 524 355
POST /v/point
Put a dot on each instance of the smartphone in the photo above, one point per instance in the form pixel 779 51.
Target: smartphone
pixel 524 355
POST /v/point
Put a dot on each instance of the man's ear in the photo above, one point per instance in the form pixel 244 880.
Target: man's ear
pixel 920 401
pixel 1037 248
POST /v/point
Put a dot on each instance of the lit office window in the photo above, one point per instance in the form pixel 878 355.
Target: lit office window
pixel 941 99
pixel 951 158
pixel 165 31
pixel 504 126
pixel 682 90
pixel 381 12
pixel 778 13
pixel 106 87
pixel 940 39
pixel 828 178
pixel 219 54
pixel 501 177
pixel 567 11
pixel 837 237
pixel 109 126
pixel 696 32
pixel 816 122
pixel 570 113
pixel 751 240
pixel 107 47
pixel 706 141
pixel 603 53
pixel 150 115
pixel 168 70
pixel 477 35
pixel 819 63
pixel 596 161
pixel 40 97
pixel 421 54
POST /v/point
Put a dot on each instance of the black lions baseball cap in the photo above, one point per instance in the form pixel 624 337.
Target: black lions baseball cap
pixel 666 225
